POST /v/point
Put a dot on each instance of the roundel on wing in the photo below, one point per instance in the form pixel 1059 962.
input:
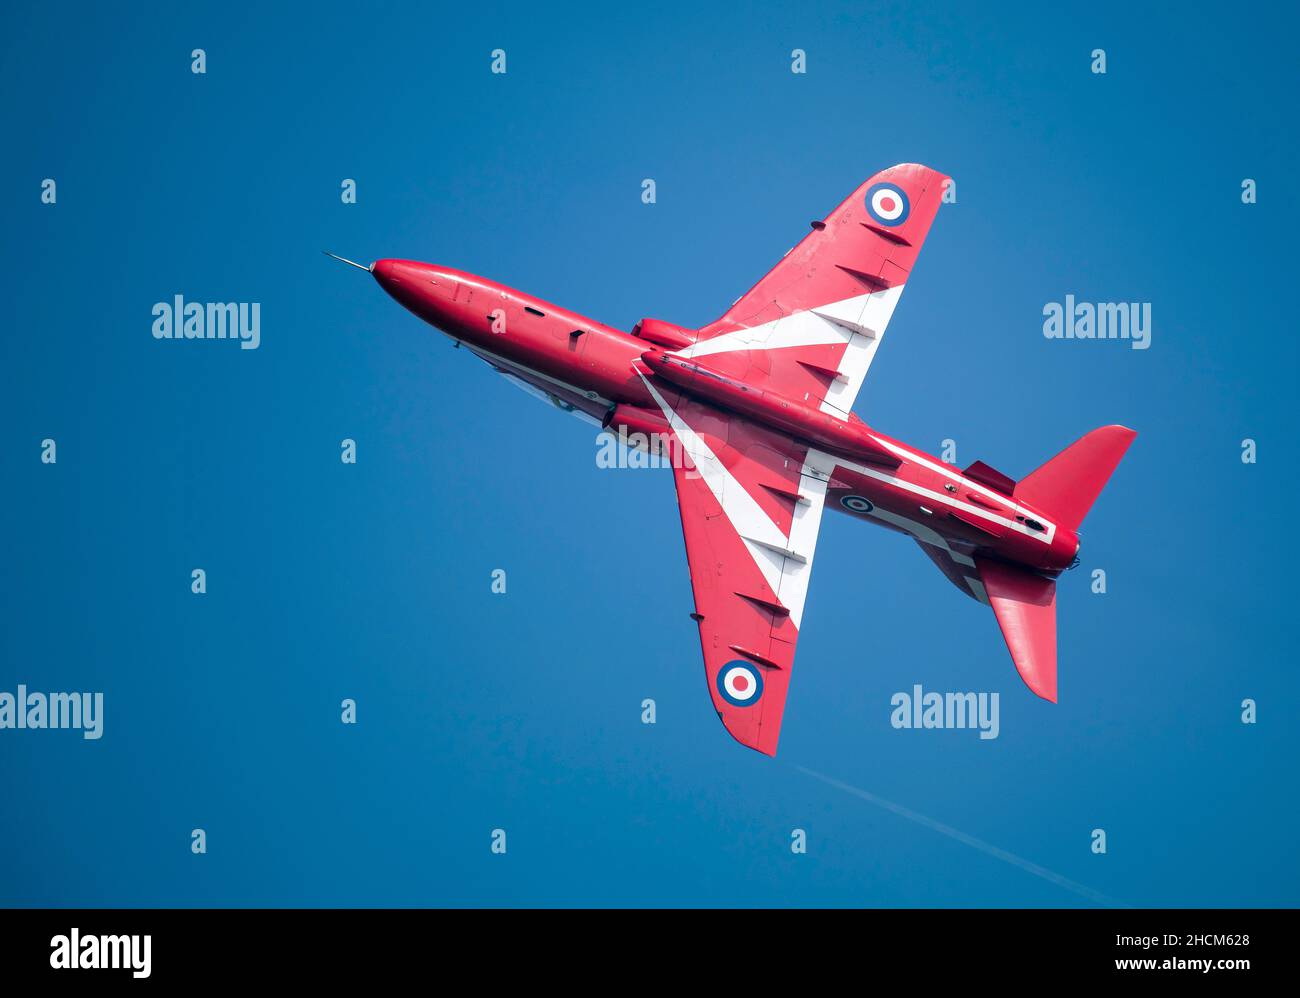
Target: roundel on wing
pixel 857 504
pixel 888 204
pixel 740 684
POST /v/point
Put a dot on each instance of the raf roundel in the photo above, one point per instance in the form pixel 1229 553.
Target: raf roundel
pixel 888 205
pixel 740 684
pixel 859 504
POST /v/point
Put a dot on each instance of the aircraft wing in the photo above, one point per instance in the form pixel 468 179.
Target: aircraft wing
pixel 810 328
pixel 751 504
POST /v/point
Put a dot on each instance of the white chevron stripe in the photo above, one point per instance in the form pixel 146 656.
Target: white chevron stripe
pixel 786 563
pixel 859 323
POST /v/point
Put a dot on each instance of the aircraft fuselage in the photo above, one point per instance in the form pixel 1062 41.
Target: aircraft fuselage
pixel 594 368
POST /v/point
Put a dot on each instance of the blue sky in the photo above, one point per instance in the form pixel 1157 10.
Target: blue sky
pixel 522 712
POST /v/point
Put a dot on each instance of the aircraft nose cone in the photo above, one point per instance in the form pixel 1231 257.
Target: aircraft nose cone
pixel 385 272
pixel 411 281
pixel 422 288
pixel 401 273
pixel 400 278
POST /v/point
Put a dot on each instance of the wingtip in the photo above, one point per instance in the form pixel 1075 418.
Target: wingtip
pixel 1039 676
pixel 757 736
pixel 1047 694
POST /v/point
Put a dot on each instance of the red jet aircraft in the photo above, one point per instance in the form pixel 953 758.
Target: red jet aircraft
pixel 755 412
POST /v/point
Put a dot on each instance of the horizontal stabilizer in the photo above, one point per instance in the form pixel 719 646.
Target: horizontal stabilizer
pixel 1025 605
pixel 1067 485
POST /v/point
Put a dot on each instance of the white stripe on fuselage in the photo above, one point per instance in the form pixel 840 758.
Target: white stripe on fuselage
pixel 942 497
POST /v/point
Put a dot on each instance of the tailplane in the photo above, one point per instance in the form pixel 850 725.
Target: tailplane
pixel 1066 486
pixel 1025 605
pixel 1024 601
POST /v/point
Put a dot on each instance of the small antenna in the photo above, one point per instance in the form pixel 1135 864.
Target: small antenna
pixel 350 263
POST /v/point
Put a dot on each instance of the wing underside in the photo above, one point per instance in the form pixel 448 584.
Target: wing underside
pixel 751 504
pixel 810 328
pixel 751 499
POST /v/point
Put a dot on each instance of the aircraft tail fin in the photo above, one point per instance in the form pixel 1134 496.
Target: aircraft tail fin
pixel 1066 486
pixel 1025 605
